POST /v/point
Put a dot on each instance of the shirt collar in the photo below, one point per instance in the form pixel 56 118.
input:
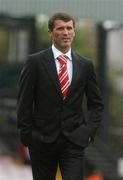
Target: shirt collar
pixel 57 53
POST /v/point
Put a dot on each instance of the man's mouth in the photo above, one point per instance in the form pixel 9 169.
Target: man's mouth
pixel 66 39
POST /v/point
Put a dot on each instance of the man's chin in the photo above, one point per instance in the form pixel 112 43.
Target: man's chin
pixel 66 45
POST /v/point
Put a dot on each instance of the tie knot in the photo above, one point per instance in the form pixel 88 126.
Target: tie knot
pixel 62 59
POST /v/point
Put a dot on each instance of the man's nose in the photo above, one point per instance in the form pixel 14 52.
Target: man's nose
pixel 65 31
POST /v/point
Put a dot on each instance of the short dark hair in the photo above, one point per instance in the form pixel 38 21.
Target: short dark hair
pixel 60 16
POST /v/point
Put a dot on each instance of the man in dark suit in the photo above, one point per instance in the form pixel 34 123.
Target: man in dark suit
pixel 49 105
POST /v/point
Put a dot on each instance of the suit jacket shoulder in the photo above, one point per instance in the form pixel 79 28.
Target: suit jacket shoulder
pixel 82 59
pixel 84 62
pixel 40 54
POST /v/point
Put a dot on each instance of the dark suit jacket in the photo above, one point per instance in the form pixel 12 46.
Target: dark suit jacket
pixel 41 111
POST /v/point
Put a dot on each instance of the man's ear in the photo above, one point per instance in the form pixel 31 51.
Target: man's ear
pixel 74 33
pixel 50 33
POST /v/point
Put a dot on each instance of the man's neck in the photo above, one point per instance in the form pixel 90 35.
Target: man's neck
pixel 64 51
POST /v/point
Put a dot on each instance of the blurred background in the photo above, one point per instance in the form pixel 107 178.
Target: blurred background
pixel 99 36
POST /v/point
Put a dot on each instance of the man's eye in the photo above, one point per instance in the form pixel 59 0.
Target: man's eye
pixel 60 28
pixel 69 28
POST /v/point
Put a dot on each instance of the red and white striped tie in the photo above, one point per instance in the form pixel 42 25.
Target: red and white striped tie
pixel 63 75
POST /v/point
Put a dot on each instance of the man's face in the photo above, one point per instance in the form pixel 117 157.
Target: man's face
pixel 62 34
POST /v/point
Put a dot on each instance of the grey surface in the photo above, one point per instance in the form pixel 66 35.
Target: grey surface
pixel 98 10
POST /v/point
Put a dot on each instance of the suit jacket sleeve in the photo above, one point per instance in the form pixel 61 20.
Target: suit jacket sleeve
pixel 26 88
pixel 94 101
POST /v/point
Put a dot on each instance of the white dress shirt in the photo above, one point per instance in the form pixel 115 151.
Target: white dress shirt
pixel 56 54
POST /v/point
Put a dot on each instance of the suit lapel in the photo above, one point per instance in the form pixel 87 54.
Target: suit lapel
pixel 50 66
pixel 75 74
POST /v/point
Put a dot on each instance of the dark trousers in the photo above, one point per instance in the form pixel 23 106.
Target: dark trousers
pixel 45 158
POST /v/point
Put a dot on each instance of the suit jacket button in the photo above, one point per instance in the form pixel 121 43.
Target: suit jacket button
pixel 62 123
